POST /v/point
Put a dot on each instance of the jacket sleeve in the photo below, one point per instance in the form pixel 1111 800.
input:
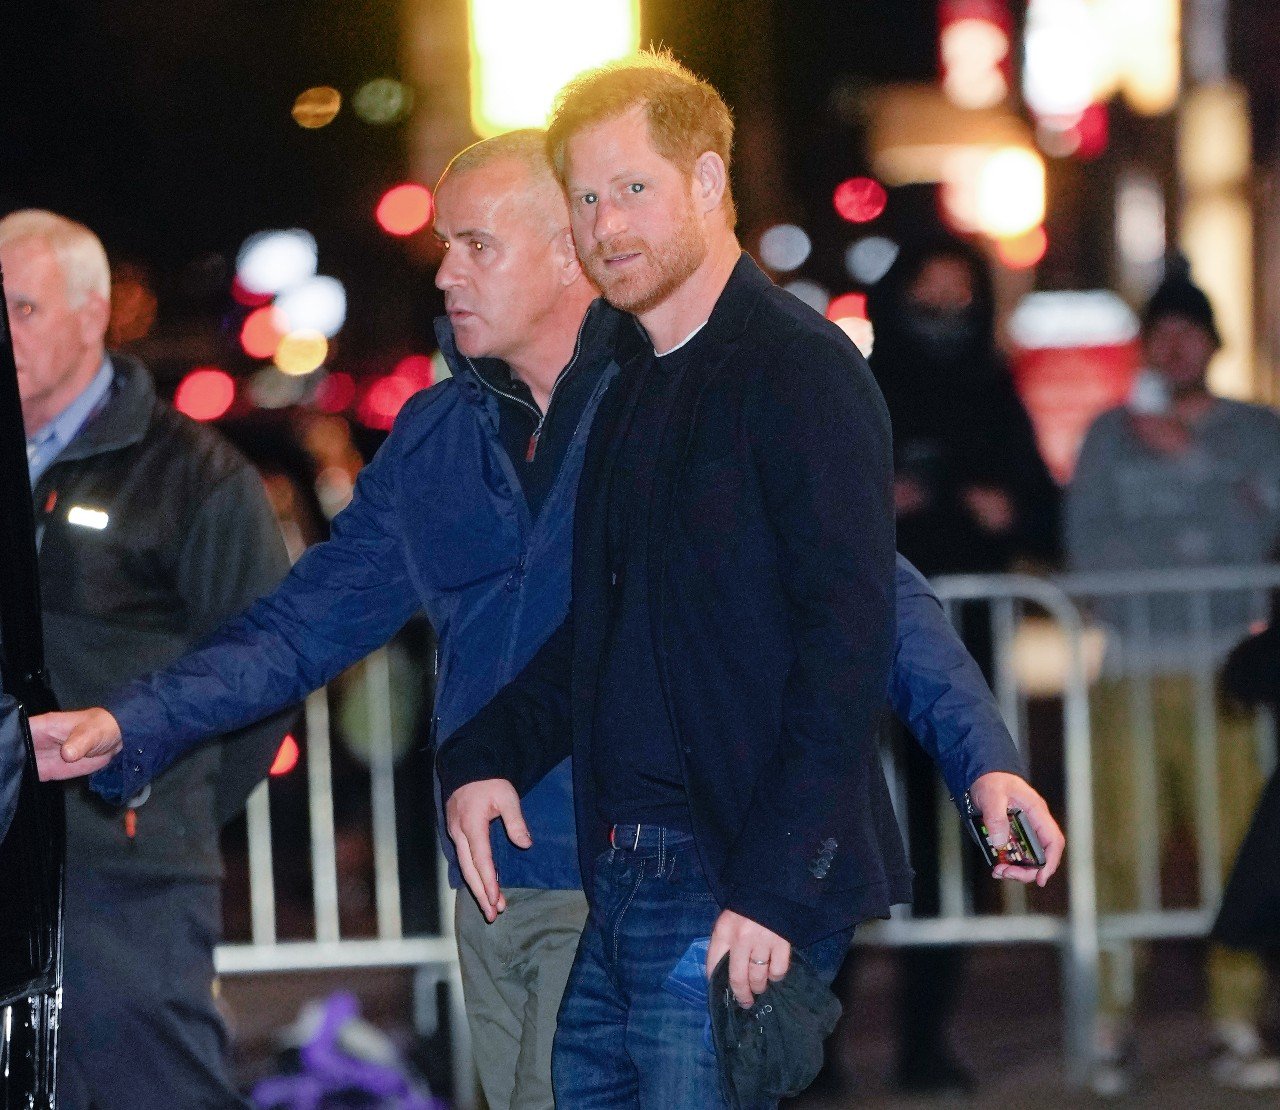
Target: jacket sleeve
pixel 523 732
pixel 344 598
pixel 939 693
pixel 822 453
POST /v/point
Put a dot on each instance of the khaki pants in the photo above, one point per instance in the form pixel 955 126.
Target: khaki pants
pixel 513 975
pixel 1236 980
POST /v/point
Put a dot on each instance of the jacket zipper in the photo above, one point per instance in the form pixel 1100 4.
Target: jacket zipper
pixel 532 449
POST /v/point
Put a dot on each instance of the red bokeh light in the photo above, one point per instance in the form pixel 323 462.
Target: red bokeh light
pixel 417 369
pixel 383 400
pixel 287 757
pixel 247 297
pixel 1024 251
pixel 205 394
pixel 404 209
pixel 848 306
pixel 336 392
pixel 859 199
pixel 261 332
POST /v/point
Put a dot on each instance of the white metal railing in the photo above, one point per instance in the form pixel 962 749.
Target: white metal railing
pixel 1137 611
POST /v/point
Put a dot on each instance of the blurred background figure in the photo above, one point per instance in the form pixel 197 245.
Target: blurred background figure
pixel 150 531
pixel 1176 478
pixel 972 494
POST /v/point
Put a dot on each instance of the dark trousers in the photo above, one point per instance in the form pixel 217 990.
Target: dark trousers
pixel 139 1025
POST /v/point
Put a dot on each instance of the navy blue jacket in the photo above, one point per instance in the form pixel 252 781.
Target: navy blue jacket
pixel 772 602
pixel 437 523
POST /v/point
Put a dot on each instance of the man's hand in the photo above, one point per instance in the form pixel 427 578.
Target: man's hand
pixel 997 792
pixel 756 955
pixel 468 813
pixel 69 745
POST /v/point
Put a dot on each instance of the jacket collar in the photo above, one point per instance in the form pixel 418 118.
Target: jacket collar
pixel 596 337
pixel 728 320
pixel 125 417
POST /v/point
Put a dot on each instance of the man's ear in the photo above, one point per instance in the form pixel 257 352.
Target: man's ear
pixel 709 180
pixel 566 256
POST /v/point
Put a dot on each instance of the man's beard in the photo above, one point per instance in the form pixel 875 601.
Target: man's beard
pixel 659 274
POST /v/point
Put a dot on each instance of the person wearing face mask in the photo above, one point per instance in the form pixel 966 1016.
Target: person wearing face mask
pixel 971 494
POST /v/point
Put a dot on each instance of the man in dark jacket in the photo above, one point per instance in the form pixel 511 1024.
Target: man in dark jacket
pixel 467 512
pixel 152 531
pixel 731 632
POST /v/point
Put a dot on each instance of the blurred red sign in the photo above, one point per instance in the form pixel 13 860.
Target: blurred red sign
pixel 1075 356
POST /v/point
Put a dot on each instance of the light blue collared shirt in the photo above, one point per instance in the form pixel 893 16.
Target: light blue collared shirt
pixel 51 440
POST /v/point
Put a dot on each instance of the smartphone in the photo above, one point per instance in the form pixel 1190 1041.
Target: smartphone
pixel 1023 849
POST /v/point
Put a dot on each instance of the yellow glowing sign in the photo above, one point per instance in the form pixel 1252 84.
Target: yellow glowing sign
pixel 523 51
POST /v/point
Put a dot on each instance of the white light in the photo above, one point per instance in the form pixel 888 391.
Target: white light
pixel 272 261
pixel 868 260
pixel 522 53
pixel 1011 192
pixel 784 247
pixel 1091 318
pixel 87 518
pixel 860 331
pixel 1060 74
pixel 811 293
pixel 1140 231
pixel 973 53
pixel 318 304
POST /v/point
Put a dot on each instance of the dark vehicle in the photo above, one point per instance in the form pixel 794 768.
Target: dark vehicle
pixel 32 833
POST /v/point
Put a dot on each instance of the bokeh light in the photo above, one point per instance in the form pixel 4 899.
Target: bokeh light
pixel 271 389
pixel 301 352
pixel 318 304
pixel 206 393
pixel 869 259
pixel 849 313
pixel 785 247
pixel 247 297
pixel 523 53
pixel 286 758
pixel 859 199
pixel 271 261
pixel 383 401
pixel 262 330
pixel 336 392
pixel 1023 251
pixel 316 106
pixel 404 209
pixel 1011 192
pixel 382 100
pixel 810 292
pixel 418 369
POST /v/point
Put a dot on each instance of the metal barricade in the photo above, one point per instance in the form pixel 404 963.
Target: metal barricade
pixel 432 955
pixel 1089 626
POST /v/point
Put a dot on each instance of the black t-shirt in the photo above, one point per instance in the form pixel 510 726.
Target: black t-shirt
pixel 635 759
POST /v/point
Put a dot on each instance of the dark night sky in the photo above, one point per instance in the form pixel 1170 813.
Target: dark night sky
pixel 165 126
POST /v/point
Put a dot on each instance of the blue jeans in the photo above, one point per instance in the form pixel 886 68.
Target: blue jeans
pixel 622 1040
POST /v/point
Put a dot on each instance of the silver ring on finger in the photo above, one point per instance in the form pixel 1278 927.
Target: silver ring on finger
pixel 761 963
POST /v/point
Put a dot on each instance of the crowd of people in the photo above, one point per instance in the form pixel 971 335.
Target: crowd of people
pixel 672 533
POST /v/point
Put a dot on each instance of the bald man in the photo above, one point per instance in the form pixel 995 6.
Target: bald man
pixel 467 514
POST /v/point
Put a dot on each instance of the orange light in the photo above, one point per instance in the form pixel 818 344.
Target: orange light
pixel 336 392
pixel 1023 251
pixel 262 331
pixel 859 199
pixel 384 400
pixel 205 394
pixel 849 306
pixel 286 758
pixel 404 209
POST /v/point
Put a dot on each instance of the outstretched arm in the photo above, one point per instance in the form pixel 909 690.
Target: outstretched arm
pixel 939 693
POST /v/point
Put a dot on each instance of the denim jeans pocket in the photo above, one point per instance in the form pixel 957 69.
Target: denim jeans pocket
pixel 685 879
